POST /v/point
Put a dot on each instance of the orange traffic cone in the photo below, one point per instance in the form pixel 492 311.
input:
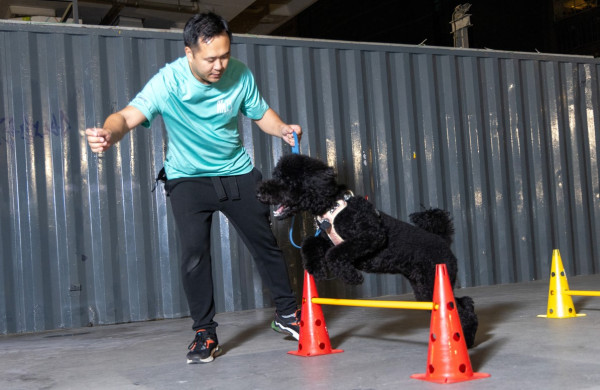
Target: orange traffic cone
pixel 314 338
pixel 448 360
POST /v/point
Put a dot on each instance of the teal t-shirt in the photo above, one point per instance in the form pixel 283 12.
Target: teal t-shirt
pixel 201 120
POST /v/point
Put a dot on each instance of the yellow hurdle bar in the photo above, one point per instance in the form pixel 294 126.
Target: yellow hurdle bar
pixel 583 293
pixel 369 303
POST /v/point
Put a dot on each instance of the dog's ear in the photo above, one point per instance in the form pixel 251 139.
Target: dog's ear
pixel 324 181
pixel 319 190
pixel 289 167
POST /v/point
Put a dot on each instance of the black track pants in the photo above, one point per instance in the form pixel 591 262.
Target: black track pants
pixel 193 203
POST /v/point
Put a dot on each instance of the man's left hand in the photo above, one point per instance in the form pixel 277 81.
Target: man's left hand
pixel 287 133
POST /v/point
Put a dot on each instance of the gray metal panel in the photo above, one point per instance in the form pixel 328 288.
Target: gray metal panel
pixel 505 141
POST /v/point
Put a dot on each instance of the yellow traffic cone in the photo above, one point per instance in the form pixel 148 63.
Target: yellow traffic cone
pixel 560 304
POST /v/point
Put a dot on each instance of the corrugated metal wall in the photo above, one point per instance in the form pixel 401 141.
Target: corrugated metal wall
pixel 505 141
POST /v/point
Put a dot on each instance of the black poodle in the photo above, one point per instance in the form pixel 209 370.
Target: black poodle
pixel 356 237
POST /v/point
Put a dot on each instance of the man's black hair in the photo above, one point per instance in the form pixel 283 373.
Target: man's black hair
pixel 205 26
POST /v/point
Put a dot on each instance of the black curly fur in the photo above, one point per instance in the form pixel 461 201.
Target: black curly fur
pixel 435 221
pixel 293 186
pixel 374 242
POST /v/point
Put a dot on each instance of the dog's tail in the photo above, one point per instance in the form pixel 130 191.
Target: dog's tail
pixel 436 221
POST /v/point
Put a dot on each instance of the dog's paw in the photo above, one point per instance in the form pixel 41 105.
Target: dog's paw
pixel 352 277
pixel 313 256
pixel 342 269
pixel 316 268
pixel 468 319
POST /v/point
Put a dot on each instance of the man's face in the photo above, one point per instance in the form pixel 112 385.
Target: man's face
pixel 209 60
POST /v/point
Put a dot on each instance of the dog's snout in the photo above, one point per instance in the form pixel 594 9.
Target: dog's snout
pixel 263 193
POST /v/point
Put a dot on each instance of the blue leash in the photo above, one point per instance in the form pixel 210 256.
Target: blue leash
pixel 296 147
pixel 292 238
pixel 296 150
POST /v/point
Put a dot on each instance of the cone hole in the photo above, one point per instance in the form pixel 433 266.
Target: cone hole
pixel 456 336
pixel 433 337
pixel 301 323
pixel 299 347
pixel 303 300
pixel 318 322
pixel 562 273
pixel 322 345
pixel 551 311
pixel 551 292
pixel 450 305
pixel 430 369
pixel 462 368
pixel 553 274
pixel 570 310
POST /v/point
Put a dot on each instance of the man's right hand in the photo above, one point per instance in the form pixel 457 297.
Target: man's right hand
pixel 99 139
pixel 115 127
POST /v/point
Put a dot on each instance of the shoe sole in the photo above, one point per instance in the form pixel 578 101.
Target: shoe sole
pixel 215 352
pixel 281 328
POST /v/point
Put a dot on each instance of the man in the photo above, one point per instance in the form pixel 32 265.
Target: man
pixel 199 97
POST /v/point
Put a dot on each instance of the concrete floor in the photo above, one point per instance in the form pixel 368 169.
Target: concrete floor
pixel 382 349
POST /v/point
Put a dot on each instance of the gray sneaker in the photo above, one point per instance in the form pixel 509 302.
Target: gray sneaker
pixel 204 348
pixel 288 324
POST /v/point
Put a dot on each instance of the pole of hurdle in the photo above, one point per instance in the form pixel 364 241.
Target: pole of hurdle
pixel 371 303
pixel 582 293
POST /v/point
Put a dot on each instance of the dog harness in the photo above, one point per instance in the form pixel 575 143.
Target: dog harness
pixel 325 221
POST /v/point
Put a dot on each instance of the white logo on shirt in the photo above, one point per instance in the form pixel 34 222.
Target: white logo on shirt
pixel 223 106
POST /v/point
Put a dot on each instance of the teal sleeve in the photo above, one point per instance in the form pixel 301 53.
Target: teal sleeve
pixel 253 106
pixel 151 99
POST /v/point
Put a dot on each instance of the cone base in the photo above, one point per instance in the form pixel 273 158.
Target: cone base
pixel 567 316
pixel 308 354
pixel 476 375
